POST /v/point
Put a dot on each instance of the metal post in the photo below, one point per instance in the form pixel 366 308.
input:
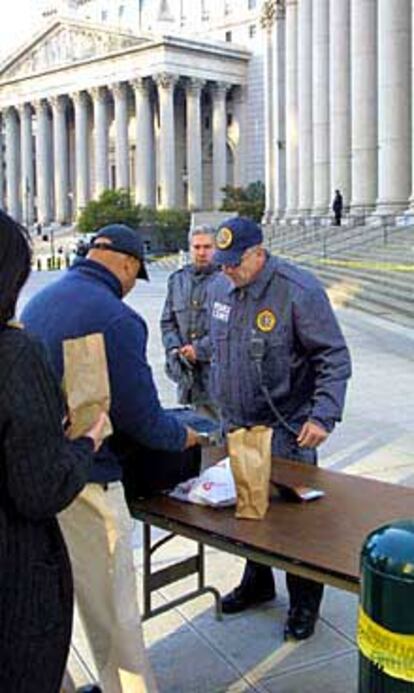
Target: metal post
pixel 52 245
pixel 386 614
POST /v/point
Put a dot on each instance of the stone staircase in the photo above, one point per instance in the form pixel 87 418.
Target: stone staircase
pixel 370 269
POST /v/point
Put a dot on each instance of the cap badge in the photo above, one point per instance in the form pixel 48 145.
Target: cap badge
pixel 224 238
pixel 265 320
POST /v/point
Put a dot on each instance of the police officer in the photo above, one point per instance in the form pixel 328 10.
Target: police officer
pixel 279 359
pixel 184 323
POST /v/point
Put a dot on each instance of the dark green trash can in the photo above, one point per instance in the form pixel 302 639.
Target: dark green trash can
pixel 386 612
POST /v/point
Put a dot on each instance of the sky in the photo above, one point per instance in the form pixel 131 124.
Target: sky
pixel 16 24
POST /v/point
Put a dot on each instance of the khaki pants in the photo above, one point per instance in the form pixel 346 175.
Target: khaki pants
pixel 98 532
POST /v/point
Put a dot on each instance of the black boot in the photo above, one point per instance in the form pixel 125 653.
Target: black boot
pixel 305 598
pixel 257 586
pixel 89 688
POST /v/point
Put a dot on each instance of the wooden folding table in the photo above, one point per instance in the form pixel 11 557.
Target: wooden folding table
pixel 320 539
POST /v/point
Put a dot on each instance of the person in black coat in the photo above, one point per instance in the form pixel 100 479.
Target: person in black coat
pixel 337 207
pixel 41 472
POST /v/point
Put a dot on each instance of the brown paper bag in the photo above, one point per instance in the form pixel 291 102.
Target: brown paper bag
pixel 86 382
pixel 250 460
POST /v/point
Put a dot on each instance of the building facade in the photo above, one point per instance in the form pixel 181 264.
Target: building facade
pixel 85 107
pixel 131 95
pixel 339 85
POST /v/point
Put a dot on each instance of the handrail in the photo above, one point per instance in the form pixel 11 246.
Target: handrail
pixel 323 241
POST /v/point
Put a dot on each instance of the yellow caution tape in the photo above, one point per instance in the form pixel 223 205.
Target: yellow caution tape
pixel 369 264
pixel 391 652
pixel 353 264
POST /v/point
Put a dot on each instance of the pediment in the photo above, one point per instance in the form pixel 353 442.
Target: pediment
pixel 64 43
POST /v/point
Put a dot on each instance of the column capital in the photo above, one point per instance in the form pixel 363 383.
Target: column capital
pixel 99 94
pixel 194 86
pixel 220 88
pixel 10 112
pixel 25 109
pixel 79 98
pixel 119 89
pixel 58 103
pixel 141 84
pixel 166 80
pixel 40 105
pixel 272 11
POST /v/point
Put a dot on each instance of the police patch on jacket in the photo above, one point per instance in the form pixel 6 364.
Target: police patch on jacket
pixel 221 311
pixel 265 320
pixel 224 238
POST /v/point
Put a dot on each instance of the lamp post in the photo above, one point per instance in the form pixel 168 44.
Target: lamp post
pixel 70 205
pixel 52 244
pixel 27 198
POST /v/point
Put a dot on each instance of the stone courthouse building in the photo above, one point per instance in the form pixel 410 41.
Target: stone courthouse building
pixel 339 89
pixel 134 101
pixel 175 98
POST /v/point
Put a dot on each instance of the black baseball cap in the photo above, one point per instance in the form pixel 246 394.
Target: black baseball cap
pixel 120 238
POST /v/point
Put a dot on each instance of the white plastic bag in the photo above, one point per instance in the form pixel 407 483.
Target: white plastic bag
pixel 214 487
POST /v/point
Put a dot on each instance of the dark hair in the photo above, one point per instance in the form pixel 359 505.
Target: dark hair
pixel 15 264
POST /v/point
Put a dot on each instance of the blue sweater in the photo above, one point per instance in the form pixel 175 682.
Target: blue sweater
pixel 85 300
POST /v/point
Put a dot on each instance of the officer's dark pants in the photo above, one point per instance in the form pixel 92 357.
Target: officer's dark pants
pixel 338 216
pixel 259 578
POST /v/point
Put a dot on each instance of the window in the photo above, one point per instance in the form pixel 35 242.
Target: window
pixel 104 15
pixel 121 10
pixel 227 8
pixel 228 36
pixel 229 119
pixel 251 4
pixel 252 30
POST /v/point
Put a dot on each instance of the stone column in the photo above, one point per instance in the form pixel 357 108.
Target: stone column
pixel 292 172
pixel 42 169
pixel 60 158
pixel 82 192
pixel 269 88
pixel 412 112
pixel 99 96
pixel 120 93
pixel 144 145
pixel 12 163
pixel 239 120
pixel 394 106
pixel 305 154
pixel 364 115
pixel 219 91
pixel 340 97
pixel 166 83
pixel 1 162
pixel 194 154
pixel 279 110
pixel 320 106
pixel 27 161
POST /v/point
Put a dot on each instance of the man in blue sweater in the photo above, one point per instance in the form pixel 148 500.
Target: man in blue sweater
pixel 97 527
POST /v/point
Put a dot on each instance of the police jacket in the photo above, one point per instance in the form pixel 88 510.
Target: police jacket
pixel 86 300
pixel 185 320
pixel 280 332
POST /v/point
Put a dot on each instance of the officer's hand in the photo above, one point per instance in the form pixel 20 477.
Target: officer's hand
pixel 97 431
pixel 311 435
pixel 189 352
pixel 192 437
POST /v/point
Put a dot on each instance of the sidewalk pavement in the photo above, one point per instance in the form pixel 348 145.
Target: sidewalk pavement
pixel 190 651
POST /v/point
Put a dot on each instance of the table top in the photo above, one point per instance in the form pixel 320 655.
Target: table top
pixel 324 535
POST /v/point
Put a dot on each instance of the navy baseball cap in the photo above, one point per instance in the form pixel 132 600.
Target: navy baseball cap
pixel 122 239
pixel 234 236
